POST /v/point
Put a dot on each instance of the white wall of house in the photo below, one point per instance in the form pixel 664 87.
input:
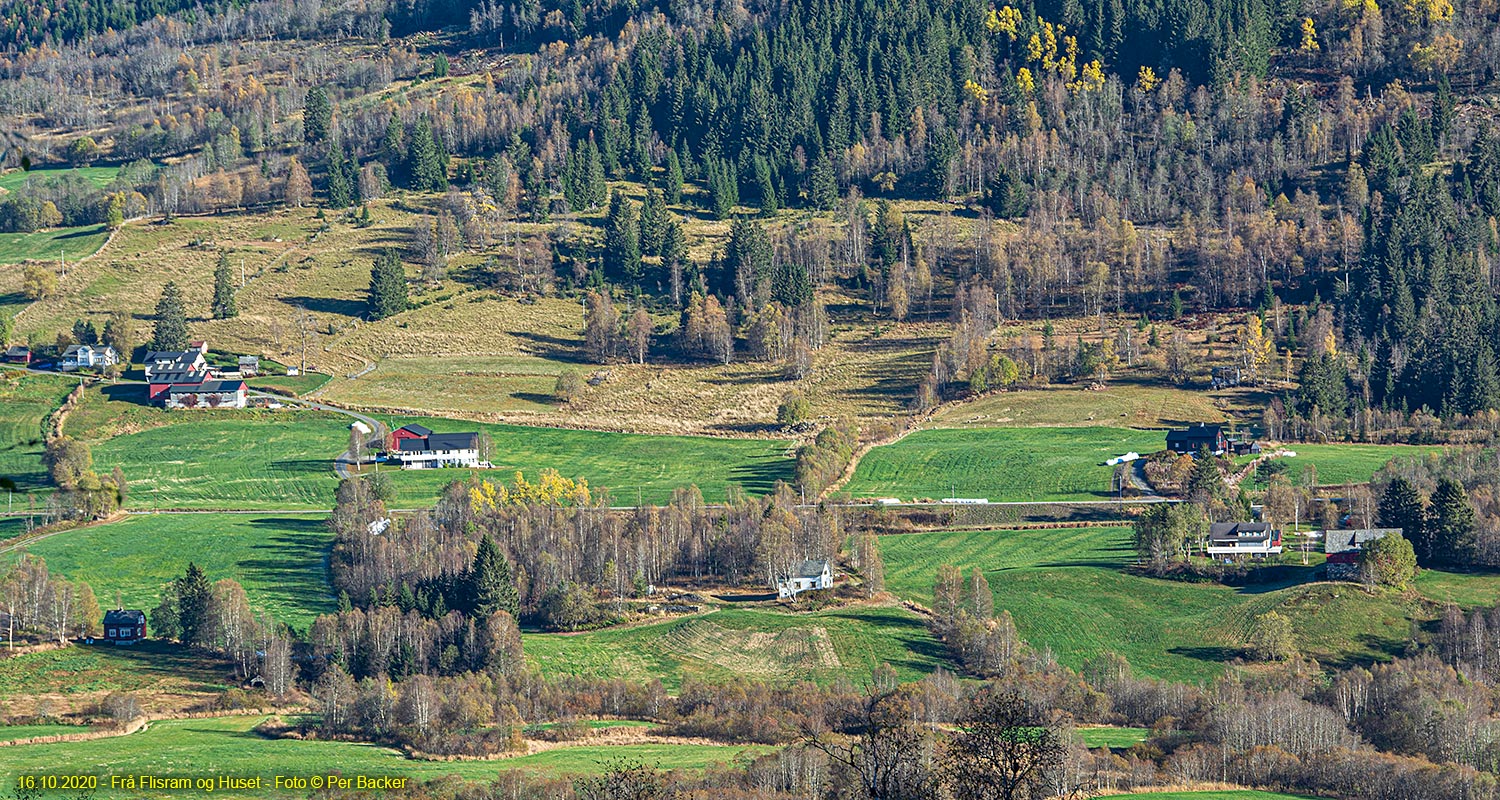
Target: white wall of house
pixel 433 459
pixel 207 400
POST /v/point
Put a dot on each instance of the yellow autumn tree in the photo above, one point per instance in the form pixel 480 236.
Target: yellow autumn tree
pixel 1256 348
pixel 1309 36
pixel 1025 81
pixel 1146 80
pixel 1006 20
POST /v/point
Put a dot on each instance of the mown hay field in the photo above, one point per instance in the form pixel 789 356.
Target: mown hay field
pixel 1000 464
pixel 1067 590
pixel 764 644
pixel 281 560
pixel 229 746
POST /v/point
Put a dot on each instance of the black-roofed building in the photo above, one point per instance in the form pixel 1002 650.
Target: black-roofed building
pixel 418 447
pixel 1195 439
pixel 124 626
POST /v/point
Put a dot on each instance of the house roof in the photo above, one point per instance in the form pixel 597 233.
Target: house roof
pixel 417 429
pixel 73 348
pixel 18 350
pixel 124 616
pixel 1194 433
pixel 1353 540
pixel 249 359
pixel 1231 532
pixel 809 569
pixel 208 387
pixel 181 377
pixel 439 441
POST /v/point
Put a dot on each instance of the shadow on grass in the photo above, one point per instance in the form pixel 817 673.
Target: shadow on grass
pixel 760 477
pixel 133 394
pixel 554 348
pixel 328 305
pixel 535 397
pixel 1218 655
pixel 302 465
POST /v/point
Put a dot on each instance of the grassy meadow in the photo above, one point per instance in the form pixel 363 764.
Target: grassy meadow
pixel 280 460
pixel 1339 464
pixel 1002 464
pixel 51 244
pixel 1121 404
pixel 1067 591
pixel 162 677
pixel 759 643
pixel 99 176
pixel 280 560
pixel 632 466
pixel 10 733
pixel 229 746
pixel 230 460
pixel 25 401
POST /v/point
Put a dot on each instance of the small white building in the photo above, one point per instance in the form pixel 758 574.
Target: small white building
pixel 1243 538
pixel 208 394
pixel 249 366
pixel 807 576
pixel 87 356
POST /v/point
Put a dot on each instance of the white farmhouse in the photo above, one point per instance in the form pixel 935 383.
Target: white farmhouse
pixel 86 356
pixel 418 447
pixel 807 576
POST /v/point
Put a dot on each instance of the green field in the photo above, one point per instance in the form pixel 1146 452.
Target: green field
pixel 230 460
pixel 148 667
pixel 49 245
pixel 1339 464
pixel 280 560
pixel 1237 794
pixel 280 460
pixel 25 401
pixel 1114 738
pixel 297 385
pixel 100 176
pixel 228 746
pixel 1067 591
pixel 756 643
pixel 632 466
pixel 10 733
pixel 1001 464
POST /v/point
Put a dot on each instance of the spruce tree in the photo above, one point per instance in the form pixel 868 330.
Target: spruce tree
pixel 490 586
pixel 824 192
pixel 653 222
pixel 170 331
pixel 387 287
pixel 671 179
pixel 317 115
pixel 1401 507
pixel 595 188
pixel 194 605
pixel 340 190
pixel 1452 523
pixel 223 307
pixel 426 161
pixel 622 246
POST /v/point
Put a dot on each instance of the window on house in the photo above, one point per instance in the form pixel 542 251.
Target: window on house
pixel 111 633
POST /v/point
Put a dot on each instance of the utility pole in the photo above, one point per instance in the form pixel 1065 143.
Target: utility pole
pixel 62 258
